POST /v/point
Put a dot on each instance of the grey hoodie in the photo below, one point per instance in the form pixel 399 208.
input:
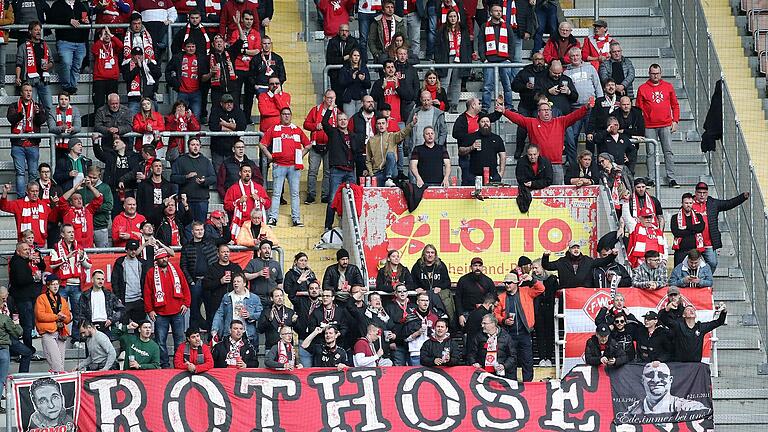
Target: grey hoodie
pixel 587 82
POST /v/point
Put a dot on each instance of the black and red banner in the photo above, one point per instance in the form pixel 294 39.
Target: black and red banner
pixel 389 399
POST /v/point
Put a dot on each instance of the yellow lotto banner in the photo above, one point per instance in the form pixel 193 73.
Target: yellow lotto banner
pixel 461 226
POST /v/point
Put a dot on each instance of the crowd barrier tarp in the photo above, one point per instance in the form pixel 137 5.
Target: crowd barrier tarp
pixel 461 226
pixel 106 261
pixel 372 399
pixel 583 304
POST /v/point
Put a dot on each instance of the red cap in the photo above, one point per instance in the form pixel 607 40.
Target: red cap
pixel 477 260
pixel 161 254
pixel 702 185
pixel 645 212
pixel 217 214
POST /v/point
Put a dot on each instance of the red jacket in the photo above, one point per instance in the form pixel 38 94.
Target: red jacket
pixel 233 194
pixel 16 208
pixel 551 52
pixel 184 6
pixel 269 108
pixel 314 118
pixel 334 16
pixel 658 103
pixel 172 124
pixel 527 294
pixel 548 135
pixel 83 231
pixel 124 224
pixel 102 72
pixel 140 124
pixel 173 302
pixel 205 366
pixel 227 23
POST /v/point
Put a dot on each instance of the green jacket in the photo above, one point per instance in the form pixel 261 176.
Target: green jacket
pixel 8 330
pixel 102 217
pixel 146 353
pixel 380 144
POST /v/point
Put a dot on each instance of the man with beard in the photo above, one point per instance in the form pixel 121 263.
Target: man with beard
pixel 275 317
pixel 525 85
pixel 418 328
pixel 194 175
pixel 475 317
pixel 624 334
pixel 657 382
pixel 304 306
pixel 362 126
pixel 654 343
pixel 605 106
pixel 399 311
pixel 166 300
pixel 687 226
pixel 128 277
pixel 342 275
pixel 471 290
pixel 326 354
pixel 243 197
pixel 575 269
pixel 229 171
pixel 640 199
pixel 487 151
pixel 331 314
pixel 490 350
pixel 341 158
pixel 369 351
pixel 496 50
pixel 601 349
pixel 235 351
pixel 218 281
pixel 193 355
pixel 463 129
pixel 337 53
pixel 688 334
pixel 223 79
pixel 710 209
pixel 264 273
pixel 440 349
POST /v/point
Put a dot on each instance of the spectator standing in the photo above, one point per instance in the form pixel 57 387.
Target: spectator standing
pixel 367 12
pixel 463 128
pixel 606 106
pixel 34 64
pixel 341 158
pixel 319 152
pixel 328 353
pixel 153 192
pixel 363 125
pixel 689 334
pixel 587 83
pixel 30 212
pixel 393 274
pixel 138 36
pixel 596 47
pixel 235 350
pixel 651 274
pixel 229 171
pixel 194 31
pixel 141 75
pixel 631 120
pixel 157 15
pixel 574 269
pixel 128 277
pixel 231 13
pixel 64 121
pixel 490 350
pixel 77 214
pixel 6 17
pixel 223 77
pixel 487 152
pixel 353 82
pixel 16 347
pixel 654 342
pixel 645 237
pixel 440 349
pixel 106 70
pixel 180 119
pixel 25 116
pixel 558 88
pixel 25 280
pixel 51 318
pixel 339 51
pixel 101 353
pixel 341 275
pixel 270 104
pixel 661 112
pixel 430 275
pixel 616 144
pixel 497 34
pixel 244 197
pixel 471 290
pixel 127 225
pixel 369 350
pixel 141 352
pixel 525 85
pixel 218 282
pixel 113 12
pixel 196 258
pixel 454 45
pixel 9 331
pixel 429 115
pixel 408 82
pixel 149 123
pixel 70 263
pixel 710 209
pixel 186 73
pixel 335 14
pixel 287 147
pixel 265 66
pixel 166 300
pixel 693 272
pixel 546 17
pixel 193 355
pixel 103 214
pixel 264 273
pixel 687 227
pixel 194 174
pixel 612 274
pixel 225 117
pixel 383 30
pixel 238 304
pixel 48 190
pixel 638 200
pixel 275 317
pixel 430 163
pixel 246 44
pixel 112 121
pixel 559 45
pixel 176 216
pixel 619 68
pixel 381 151
pixel 387 90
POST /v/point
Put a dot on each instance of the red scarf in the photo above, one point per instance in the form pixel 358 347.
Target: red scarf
pixel 513 15
pixel 682 225
pixel 174 232
pixel 644 239
pixel 32 71
pixel 388 29
pixel 491 353
pixel 241 213
pixel 500 49
pixel 284 353
pixel 216 70
pixel 70 268
pixel 63 119
pixel 205 35
pixel 454 43
pixel 26 124
pixel 601 43
pixel 33 211
pixel 212 7
pixel 648 203
pixel 444 10
pixel 149 51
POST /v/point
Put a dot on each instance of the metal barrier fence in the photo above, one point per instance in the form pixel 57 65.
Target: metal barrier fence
pixel 352 239
pixel 730 165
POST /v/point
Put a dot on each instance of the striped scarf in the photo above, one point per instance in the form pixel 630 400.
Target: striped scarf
pixel 500 49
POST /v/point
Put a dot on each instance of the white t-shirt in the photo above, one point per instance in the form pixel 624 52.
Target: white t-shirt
pixel 238 301
pixel 98 306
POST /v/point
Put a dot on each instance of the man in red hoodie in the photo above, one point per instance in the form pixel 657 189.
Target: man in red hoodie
pixel 548 132
pixel 127 224
pixel 271 103
pixel 78 215
pixel 661 112
pixel 106 66
pixel 166 300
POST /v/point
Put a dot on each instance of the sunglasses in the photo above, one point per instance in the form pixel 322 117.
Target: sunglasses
pixel 619 321
pixel 401 291
pixel 510 283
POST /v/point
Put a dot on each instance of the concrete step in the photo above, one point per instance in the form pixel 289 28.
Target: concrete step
pixel 617 12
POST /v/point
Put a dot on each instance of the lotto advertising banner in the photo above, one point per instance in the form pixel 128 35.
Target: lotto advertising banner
pixel 369 399
pixel 583 304
pixel 461 226
pixel 106 261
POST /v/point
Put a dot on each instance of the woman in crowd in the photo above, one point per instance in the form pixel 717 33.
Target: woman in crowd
pixel 298 278
pixel 52 314
pixel 432 85
pixel 180 119
pixel 355 79
pixel 453 46
pixel 149 123
pixel 393 273
pixel 391 52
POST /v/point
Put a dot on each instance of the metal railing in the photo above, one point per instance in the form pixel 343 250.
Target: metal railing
pixel 730 164
pixel 352 235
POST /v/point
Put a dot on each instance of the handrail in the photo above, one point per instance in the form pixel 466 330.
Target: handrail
pixel 353 228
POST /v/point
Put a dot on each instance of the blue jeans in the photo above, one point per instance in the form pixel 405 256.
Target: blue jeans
pixel 489 87
pixel 710 257
pixel 196 292
pixel 5 364
pixel 415 360
pixel 547 19
pixel 72 294
pixel 43 96
pixel 389 171
pixel 364 20
pixel 162 323
pixel 18 348
pixel 193 100
pixel 27 320
pixel 467 179
pixel 432 32
pixel 338 176
pixel 199 210
pixel 520 343
pixel 571 137
pixel 279 174
pixel 71 55
pixel 25 160
pixel 304 356
pixel 413 30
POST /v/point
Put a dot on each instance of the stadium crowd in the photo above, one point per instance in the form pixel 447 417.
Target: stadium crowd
pixel 390 129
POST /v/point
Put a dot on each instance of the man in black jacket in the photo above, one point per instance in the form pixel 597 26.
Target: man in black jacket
pixel 534 171
pixel 265 66
pixel 575 269
pixel 128 276
pixel 340 157
pixel 141 77
pixel 229 170
pixel 222 352
pixel 329 313
pixel 361 124
pixel 602 349
pixel 606 106
pixel 225 117
pixel 558 88
pixel 603 276
pixel 152 192
pixel 654 343
pixel 196 258
pixel 524 84
pixel 410 83
pixel 631 121
pixel 176 215
pixel 610 140
pixel 118 161
pixel 486 150
pixel 218 281
pixel 689 334
pixel 464 127
pixel 623 333
pixel 440 349
pixel 275 317
pixel 490 349
pixel 352 275
pixel 194 175
pixel 471 290
pixel 710 208
pixel 608 314
pixel 337 53
pixel 688 231
pixel 24 287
